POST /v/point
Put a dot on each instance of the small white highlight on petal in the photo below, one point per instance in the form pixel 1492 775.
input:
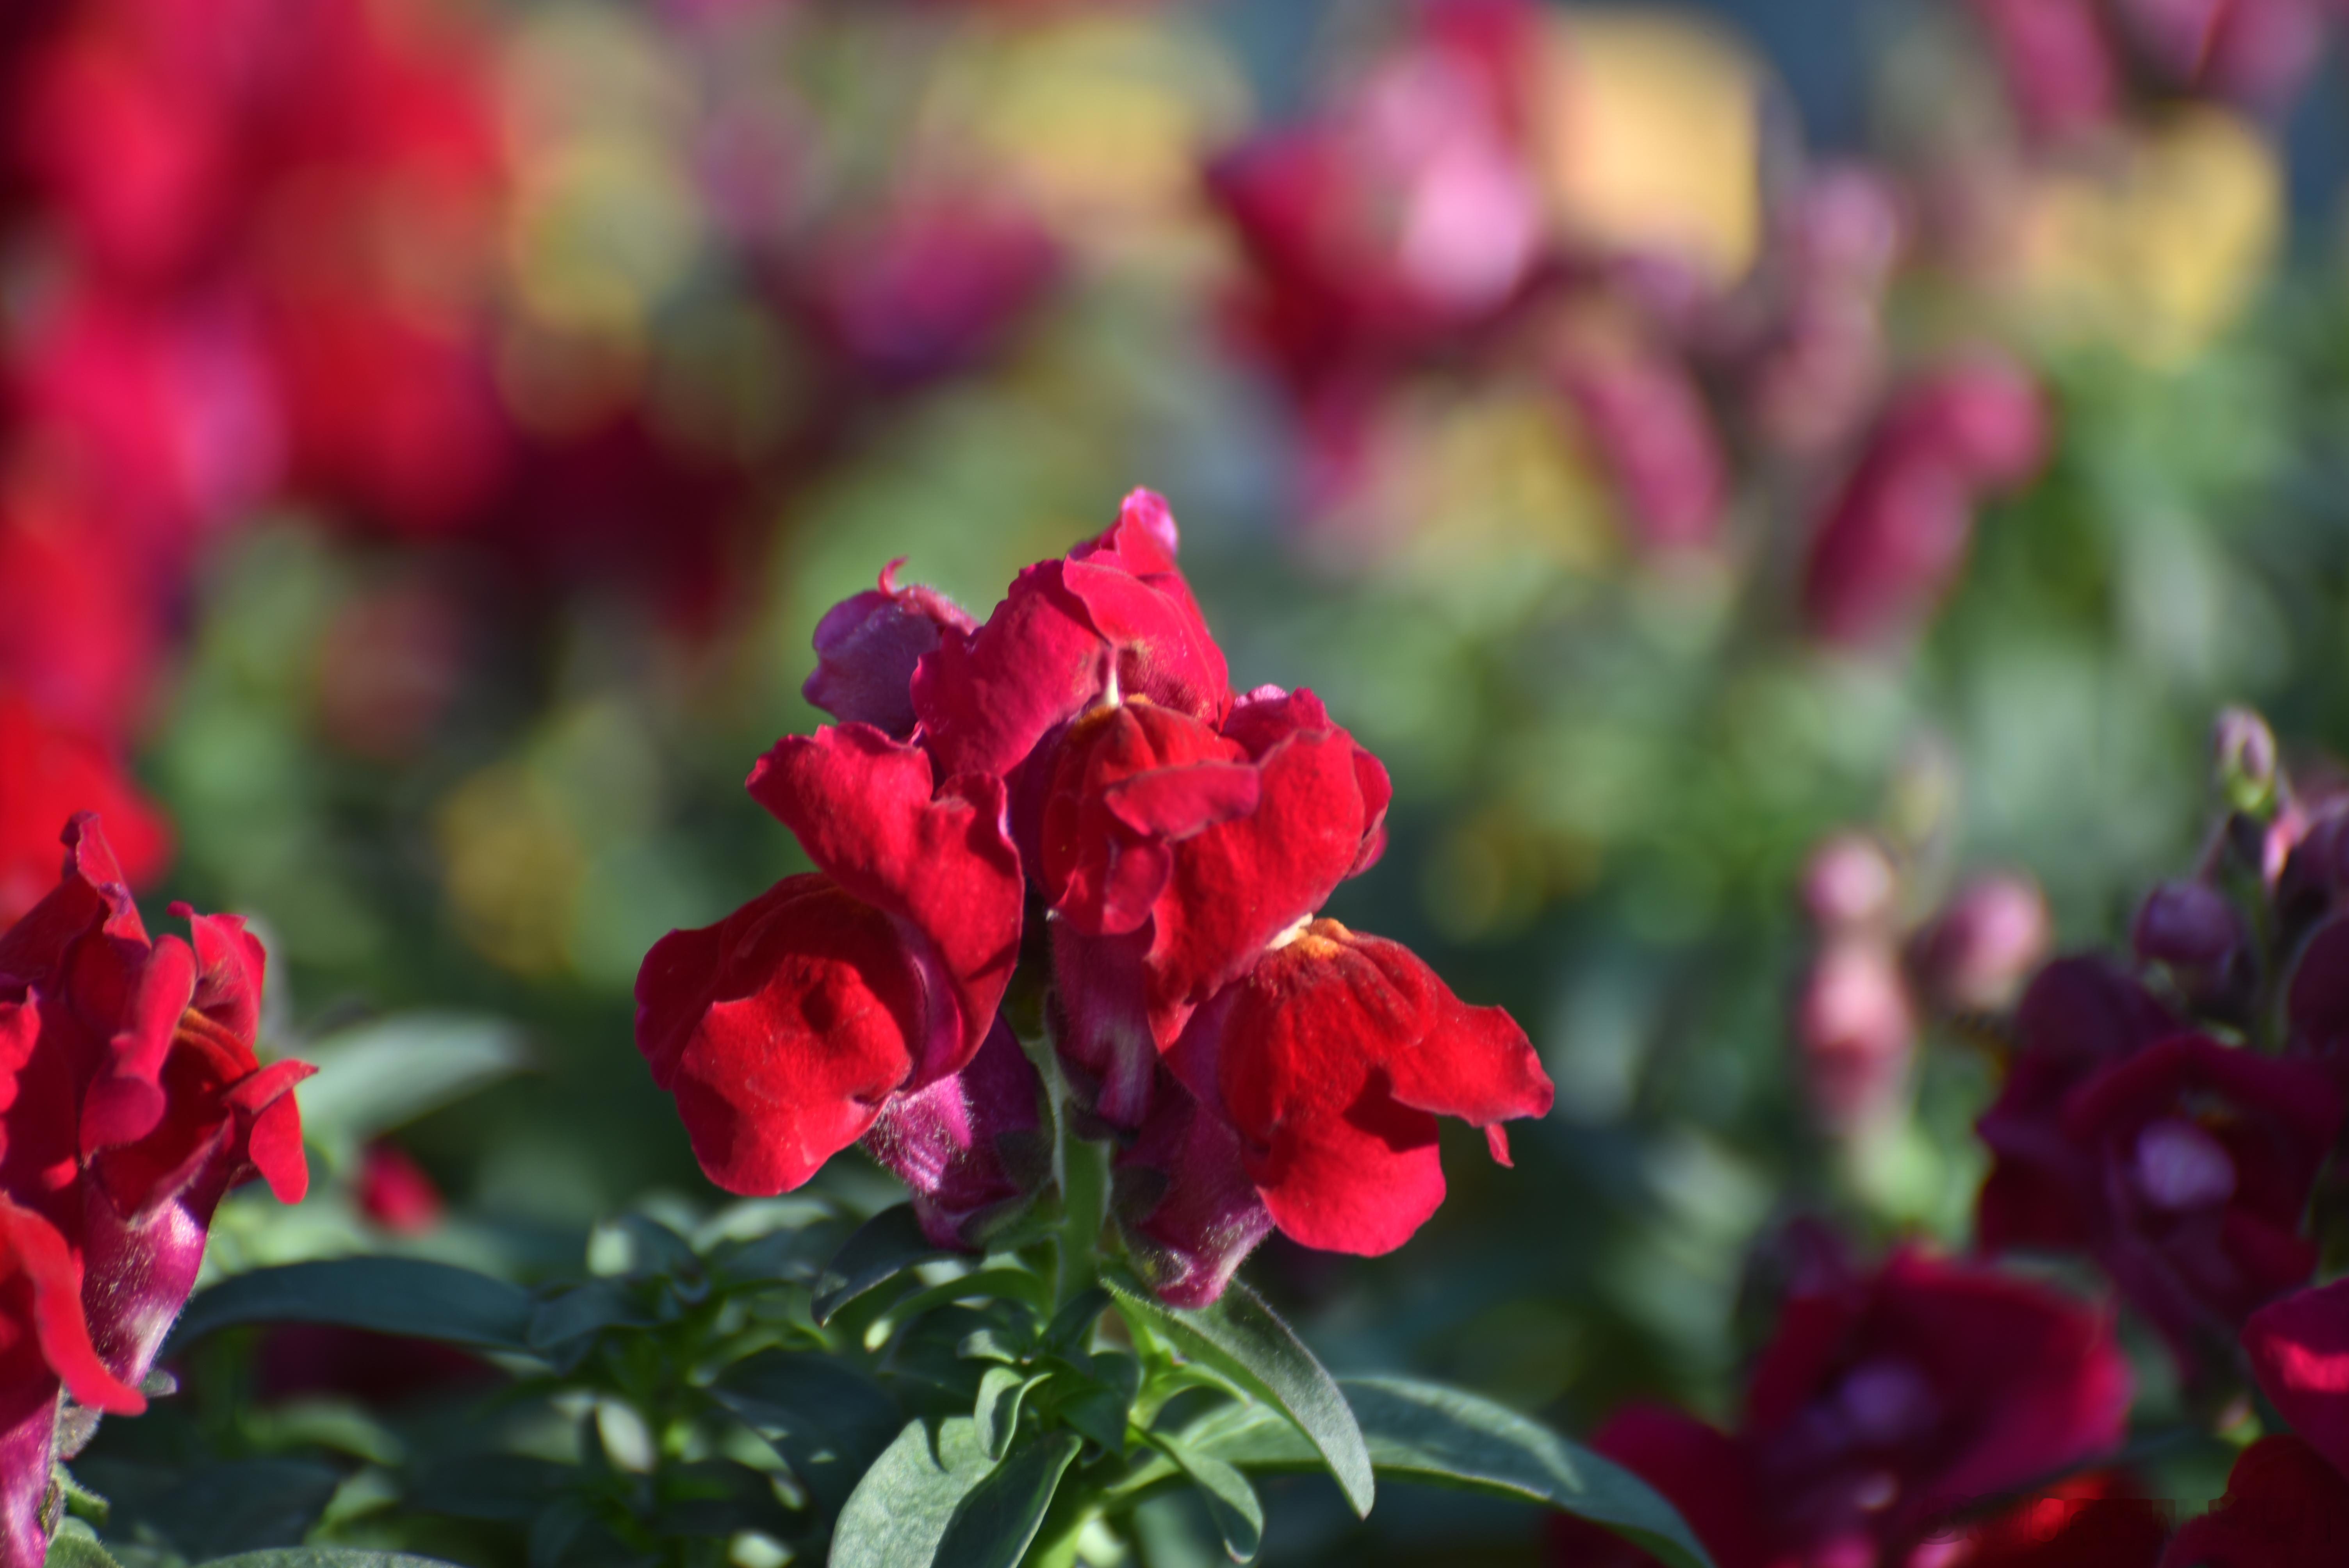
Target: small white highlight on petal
pixel 1290 932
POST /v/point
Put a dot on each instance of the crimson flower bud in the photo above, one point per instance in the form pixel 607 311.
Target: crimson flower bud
pixel 1848 881
pixel 1855 1031
pixel 2187 925
pixel 1985 944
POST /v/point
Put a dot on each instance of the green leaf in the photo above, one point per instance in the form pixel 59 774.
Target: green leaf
pixel 585 1310
pixel 324 1557
pixel 996 1413
pixel 993 1527
pixel 408 1296
pixel 1231 1502
pixel 1071 1331
pixel 1437 1436
pixel 1243 1338
pixel 76 1545
pixel 884 1247
pixel 900 1513
pixel 826 1419
pixel 393 1070
pixel 983 1284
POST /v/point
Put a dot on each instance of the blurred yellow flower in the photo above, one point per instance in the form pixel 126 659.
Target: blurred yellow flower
pixel 2157 245
pixel 1651 137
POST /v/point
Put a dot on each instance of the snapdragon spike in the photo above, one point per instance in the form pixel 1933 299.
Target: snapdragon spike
pixel 133 1100
pixel 1081 750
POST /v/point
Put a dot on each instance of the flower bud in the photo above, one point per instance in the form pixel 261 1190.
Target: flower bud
pixel 1855 1032
pixel 868 645
pixel 2244 754
pixel 2186 925
pixel 394 1192
pixel 1848 881
pixel 1985 944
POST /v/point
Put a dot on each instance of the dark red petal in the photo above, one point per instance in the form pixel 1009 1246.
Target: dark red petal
pixel 90 895
pixel 2319 997
pixel 781 1030
pixel 1190 1213
pixel 985 699
pixel 2286 1507
pixel 1239 885
pixel 2299 1350
pixel 967 1145
pixel 231 968
pixel 34 1248
pixel 944 869
pixel 1704 1474
pixel 1332 1059
pixel 273 1146
pixel 126 1100
pixel 867 646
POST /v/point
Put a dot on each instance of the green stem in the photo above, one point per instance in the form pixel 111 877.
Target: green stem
pixel 1084 1198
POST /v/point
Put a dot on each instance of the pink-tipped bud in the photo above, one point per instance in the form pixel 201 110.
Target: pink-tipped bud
pixel 1985 944
pixel 1855 1032
pixel 2243 755
pixel 2186 925
pixel 1849 882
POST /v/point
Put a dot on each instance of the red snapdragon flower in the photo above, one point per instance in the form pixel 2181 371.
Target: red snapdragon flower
pixel 831 1005
pixel 1884 1403
pixel 133 1101
pixel 47 775
pixel 1258 1067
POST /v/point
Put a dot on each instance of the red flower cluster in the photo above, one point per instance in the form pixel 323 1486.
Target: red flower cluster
pixel 131 1100
pixel 1885 1408
pixel 1080 753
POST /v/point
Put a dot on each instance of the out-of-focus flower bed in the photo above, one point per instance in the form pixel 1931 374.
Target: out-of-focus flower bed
pixel 1790 590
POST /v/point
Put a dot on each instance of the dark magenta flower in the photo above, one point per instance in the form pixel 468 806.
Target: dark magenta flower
pixel 868 645
pixel 802 1022
pixel 1883 1404
pixel 2207 1154
pixel 2079 1016
pixel 134 1101
pixel 2286 1507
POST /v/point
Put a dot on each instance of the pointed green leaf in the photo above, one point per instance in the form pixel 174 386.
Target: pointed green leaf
pixel 996 1521
pixel 1243 1338
pixel 827 1421
pixel 901 1510
pixel 1231 1502
pixel 884 1247
pixel 76 1545
pixel 1437 1436
pixel 383 1074
pixel 407 1296
pixel 997 1414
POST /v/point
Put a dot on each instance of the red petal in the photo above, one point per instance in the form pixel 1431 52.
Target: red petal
pixel 126 1101
pixel 90 895
pixel 273 1146
pixel 2299 1350
pixel 781 1030
pixel 2285 1508
pixel 860 806
pixel 231 966
pixel 1330 1059
pixel 34 1246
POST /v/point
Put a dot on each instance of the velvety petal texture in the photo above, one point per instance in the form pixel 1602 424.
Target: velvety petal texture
pixel 1114 617
pixel 785 1030
pixel 2286 1507
pixel 970 1145
pixel 1332 1060
pixel 2299 1351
